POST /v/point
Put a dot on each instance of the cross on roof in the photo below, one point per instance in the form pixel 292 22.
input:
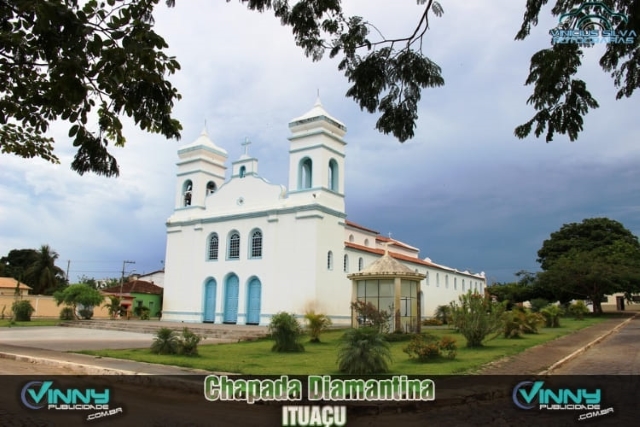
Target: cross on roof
pixel 246 144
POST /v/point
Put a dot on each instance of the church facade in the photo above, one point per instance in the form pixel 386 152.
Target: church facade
pixel 241 249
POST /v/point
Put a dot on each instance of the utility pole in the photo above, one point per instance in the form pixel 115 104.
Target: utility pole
pixel 122 279
pixel 68 265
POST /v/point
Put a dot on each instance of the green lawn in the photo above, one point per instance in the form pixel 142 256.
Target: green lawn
pixel 256 358
pixel 5 323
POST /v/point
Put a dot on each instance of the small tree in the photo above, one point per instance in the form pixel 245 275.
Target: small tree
pixel 552 315
pixel 286 331
pixel 476 317
pixel 316 324
pixel 188 343
pixel 165 342
pixel 364 351
pixel 80 294
pixel 114 306
pixel 443 314
pixel 578 309
pixel 22 311
pixel 369 315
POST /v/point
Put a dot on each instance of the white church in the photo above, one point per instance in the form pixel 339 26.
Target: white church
pixel 241 249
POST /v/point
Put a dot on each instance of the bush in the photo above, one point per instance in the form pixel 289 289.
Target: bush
pixel 443 314
pixel 538 304
pixel 67 313
pixel 426 348
pixel 552 315
pixel 398 336
pixel 369 316
pixel 22 311
pixel 364 351
pixel 476 317
pixel 168 342
pixel 165 342
pixel 286 331
pixel 518 322
pixel 431 322
pixel 142 312
pixel 86 313
pixel 316 324
pixel 578 309
pixel 188 343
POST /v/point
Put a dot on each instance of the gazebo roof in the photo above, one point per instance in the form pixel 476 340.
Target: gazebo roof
pixel 387 266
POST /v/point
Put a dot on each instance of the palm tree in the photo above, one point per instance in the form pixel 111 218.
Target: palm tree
pixel 316 324
pixel 43 275
pixel 364 351
pixel 114 306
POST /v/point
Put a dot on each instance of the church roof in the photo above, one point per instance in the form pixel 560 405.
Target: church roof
pixel 316 113
pixel 203 140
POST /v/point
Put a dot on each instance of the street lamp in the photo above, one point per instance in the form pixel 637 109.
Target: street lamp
pixel 122 279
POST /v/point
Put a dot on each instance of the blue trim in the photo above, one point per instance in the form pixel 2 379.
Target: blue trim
pixel 258 214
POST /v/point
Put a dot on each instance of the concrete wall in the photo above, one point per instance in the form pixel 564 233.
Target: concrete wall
pixel 45 307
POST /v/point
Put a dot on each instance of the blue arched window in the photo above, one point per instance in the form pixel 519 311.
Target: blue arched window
pixel 333 175
pixel 306 173
pixel 243 171
pixel 345 263
pixel 360 264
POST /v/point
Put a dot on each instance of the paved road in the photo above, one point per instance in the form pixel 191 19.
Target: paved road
pixel 618 354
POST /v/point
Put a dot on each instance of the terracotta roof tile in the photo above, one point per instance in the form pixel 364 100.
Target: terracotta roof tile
pixel 135 286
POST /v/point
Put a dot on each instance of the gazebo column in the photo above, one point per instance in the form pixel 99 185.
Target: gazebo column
pixel 354 298
pixel 396 303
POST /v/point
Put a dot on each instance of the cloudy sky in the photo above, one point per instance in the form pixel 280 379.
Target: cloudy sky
pixel 464 190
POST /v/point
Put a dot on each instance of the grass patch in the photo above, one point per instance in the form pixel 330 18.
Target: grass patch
pixel 6 323
pixel 256 357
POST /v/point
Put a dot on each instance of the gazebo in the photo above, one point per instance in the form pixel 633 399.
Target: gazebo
pixel 392 286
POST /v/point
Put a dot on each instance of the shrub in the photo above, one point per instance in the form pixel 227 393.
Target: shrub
pixel 142 312
pixel 476 317
pixel 538 304
pixel 22 310
pixel 86 313
pixel 67 313
pixel 165 342
pixel 431 322
pixel 286 331
pixel 443 314
pixel 578 309
pixel 426 348
pixel 369 316
pixel 398 336
pixel 518 322
pixel 188 343
pixel 364 351
pixel 552 315
pixel 316 324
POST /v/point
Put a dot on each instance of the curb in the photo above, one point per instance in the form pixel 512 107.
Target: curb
pixel 579 351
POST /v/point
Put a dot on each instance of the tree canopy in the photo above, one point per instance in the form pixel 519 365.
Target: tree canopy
pixel 35 268
pixel 590 260
pixel 88 62
pixel 74 295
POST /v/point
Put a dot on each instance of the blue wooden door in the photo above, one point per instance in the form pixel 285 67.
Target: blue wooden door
pixel 253 303
pixel 231 300
pixel 210 301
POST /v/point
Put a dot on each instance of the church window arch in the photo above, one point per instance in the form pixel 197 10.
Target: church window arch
pixel 345 263
pixel 243 171
pixel 333 175
pixel 462 285
pixel 438 279
pixel 426 279
pixel 455 283
pixel 256 244
pixel 366 242
pixel 360 264
pixel 329 260
pixel 211 187
pixel 187 189
pixel 234 245
pixel 305 173
pixel 351 238
pixel 446 281
pixel 214 243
